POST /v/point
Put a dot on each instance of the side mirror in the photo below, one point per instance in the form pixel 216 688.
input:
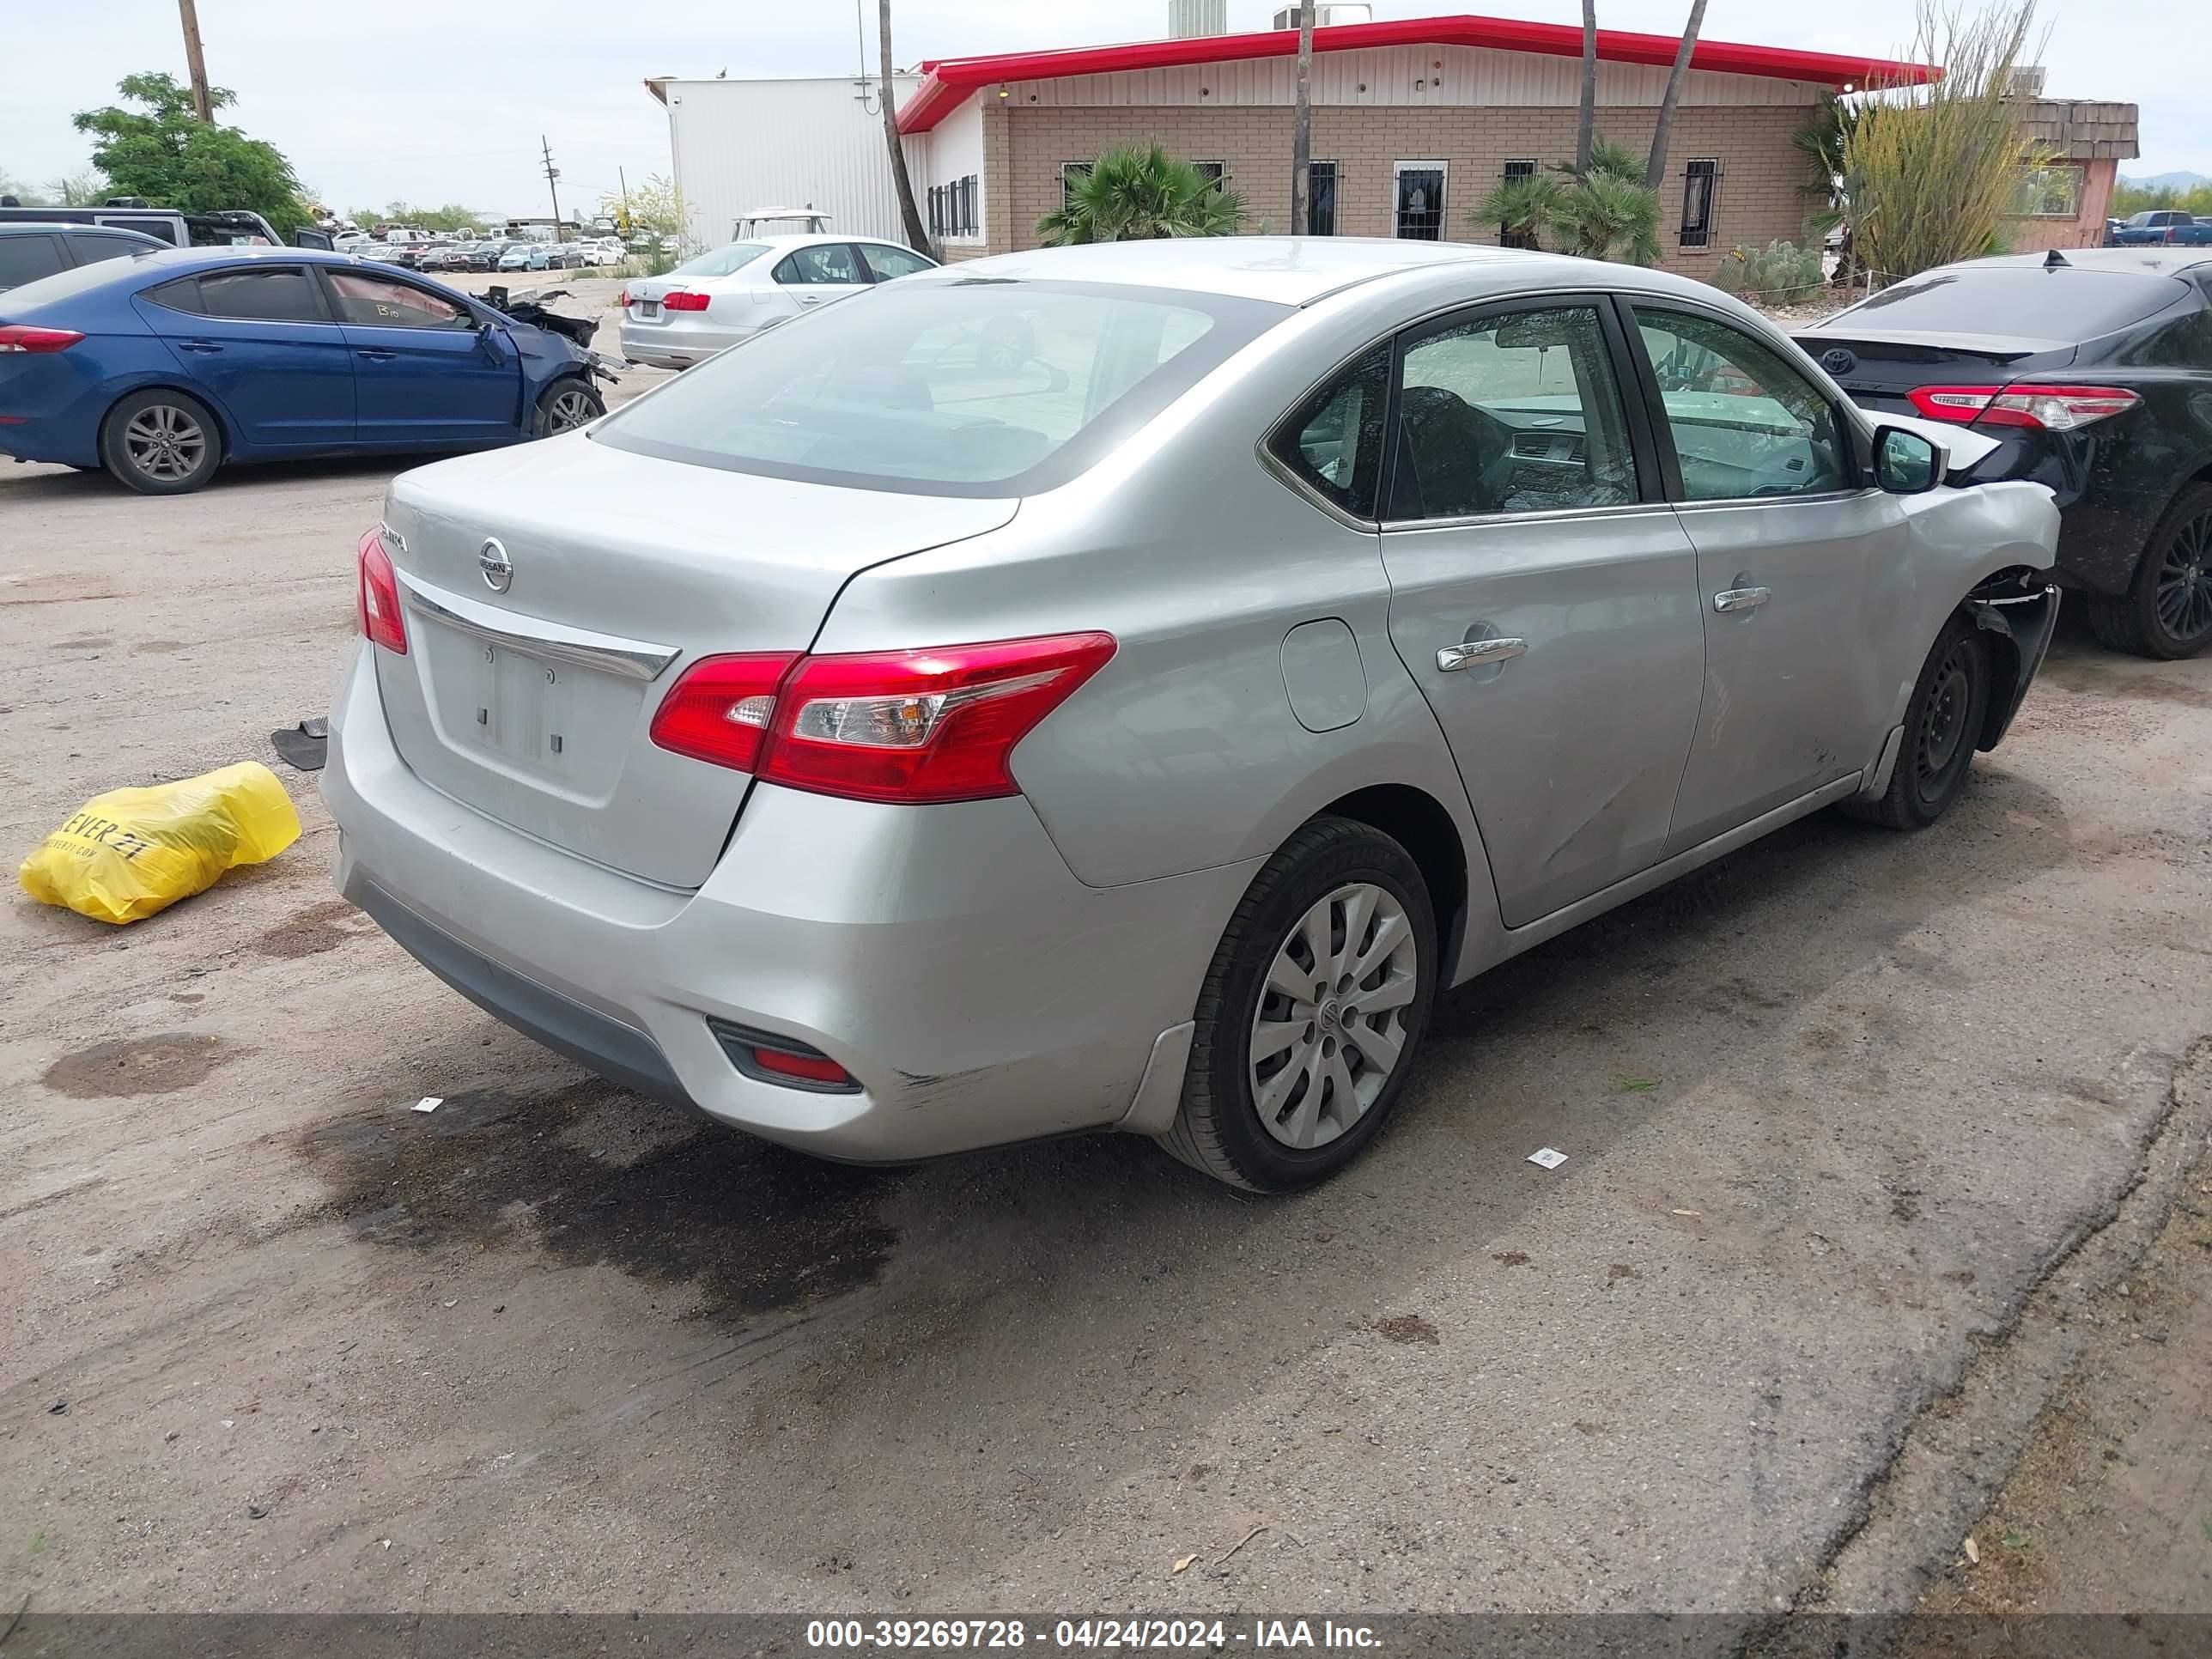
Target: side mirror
pixel 1905 463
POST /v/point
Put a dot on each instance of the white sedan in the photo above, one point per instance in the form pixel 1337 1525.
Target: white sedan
pixel 733 293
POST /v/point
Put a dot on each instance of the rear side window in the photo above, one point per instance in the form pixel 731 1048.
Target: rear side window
pixel 2024 301
pixel 182 294
pixel 26 258
pixel 261 294
pixel 91 247
pixel 162 230
pixel 977 388
pixel 825 264
pixel 1334 440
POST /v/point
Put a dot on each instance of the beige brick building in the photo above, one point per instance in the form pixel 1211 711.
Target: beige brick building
pixel 1404 112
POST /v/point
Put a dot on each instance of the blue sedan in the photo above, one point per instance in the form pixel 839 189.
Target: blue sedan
pixel 162 366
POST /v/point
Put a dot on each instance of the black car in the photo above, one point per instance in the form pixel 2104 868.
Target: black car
pixel 30 249
pixel 2093 368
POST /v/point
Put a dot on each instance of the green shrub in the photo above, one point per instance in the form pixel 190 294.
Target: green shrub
pixel 1784 274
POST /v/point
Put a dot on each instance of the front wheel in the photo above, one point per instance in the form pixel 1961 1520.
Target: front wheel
pixel 564 406
pixel 1942 727
pixel 1309 1016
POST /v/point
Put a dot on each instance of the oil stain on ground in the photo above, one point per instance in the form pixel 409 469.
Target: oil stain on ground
pixel 752 1227
pixel 125 1068
pixel 320 928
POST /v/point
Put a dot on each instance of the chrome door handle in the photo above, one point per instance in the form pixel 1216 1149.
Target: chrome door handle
pixel 1477 653
pixel 1742 598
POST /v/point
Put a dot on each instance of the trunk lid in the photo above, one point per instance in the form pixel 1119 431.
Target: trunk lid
pixel 1878 366
pixel 528 692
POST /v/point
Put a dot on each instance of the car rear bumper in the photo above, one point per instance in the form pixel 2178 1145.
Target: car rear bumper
pixel 677 345
pixel 943 955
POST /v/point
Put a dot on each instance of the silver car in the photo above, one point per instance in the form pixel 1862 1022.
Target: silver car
pixel 1119 687
pixel 733 293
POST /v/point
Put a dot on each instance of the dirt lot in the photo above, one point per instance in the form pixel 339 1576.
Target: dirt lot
pixel 1865 1133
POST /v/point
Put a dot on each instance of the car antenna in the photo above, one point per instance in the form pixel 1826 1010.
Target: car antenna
pixel 2055 260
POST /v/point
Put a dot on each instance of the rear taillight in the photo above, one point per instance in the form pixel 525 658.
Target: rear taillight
pixel 720 710
pixel 378 594
pixel 2044 408
pixel 21 337
pixel 678 300
pixel 621 300
pixel 895 726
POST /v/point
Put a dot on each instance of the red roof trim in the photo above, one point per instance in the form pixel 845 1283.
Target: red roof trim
pixel 946 82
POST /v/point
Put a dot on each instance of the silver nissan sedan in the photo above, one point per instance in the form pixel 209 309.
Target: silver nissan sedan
pixel 1119 687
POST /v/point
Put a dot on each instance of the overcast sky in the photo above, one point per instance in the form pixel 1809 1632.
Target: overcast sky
pixel 443 100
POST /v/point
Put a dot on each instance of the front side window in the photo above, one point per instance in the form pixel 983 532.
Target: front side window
pixel 1421 201
pixel 1745 424
pixel 824 264
pixel 383 302
pixel 1334 440
pixel 262 294
pixel 1512 413
pixel 944 388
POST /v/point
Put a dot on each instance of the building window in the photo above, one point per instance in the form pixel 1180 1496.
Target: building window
pixel 2049 192
pixel 964 222
pixel 1215 173
pixel 1515 172
pixel 1320 198
pixel 1071 174
pixel 1700 180
pixel 1419 214
pixel 937 210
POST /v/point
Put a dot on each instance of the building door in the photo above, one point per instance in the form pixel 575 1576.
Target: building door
pixel 1419 210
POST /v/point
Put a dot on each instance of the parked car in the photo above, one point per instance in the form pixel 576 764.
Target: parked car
pixel 162 367
pixel 2148 226
pixel 603 251
pixel 30 250
pixel 733 293
pixel 2093 370
pixel 517 257
pixel 1360 614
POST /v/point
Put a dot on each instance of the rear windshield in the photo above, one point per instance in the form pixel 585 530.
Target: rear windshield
pixel 947 388
pixel 721 261
pixel 2025 302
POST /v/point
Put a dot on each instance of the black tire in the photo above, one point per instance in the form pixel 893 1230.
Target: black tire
pixel 1218 1130
pixel 1942 726
pixel 2166 613
pixel 565 405
pixel 161 442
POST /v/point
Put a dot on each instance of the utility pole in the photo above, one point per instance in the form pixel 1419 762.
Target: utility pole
pixel 195 63
pixel 1302 128
pixel 629 225
pixel 552 183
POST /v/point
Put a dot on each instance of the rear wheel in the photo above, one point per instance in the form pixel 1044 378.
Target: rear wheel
pixel 1942 726
pixel 564 406
pixel 1309 1015
pixel 161 442
pixel 2166 612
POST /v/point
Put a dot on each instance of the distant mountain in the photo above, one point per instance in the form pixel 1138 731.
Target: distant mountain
pixel 2167 181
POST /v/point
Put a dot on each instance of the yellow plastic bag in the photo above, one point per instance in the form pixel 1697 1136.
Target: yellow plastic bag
pixel 131 852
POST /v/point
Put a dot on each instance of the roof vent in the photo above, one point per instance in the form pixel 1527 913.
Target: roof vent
pixel 1190 19
pixel 1329 16
pixel 2026 80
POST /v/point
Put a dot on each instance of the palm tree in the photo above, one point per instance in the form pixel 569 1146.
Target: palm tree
pixel 1139 193
pixel 1521 208
pixel 917 234
pixel 1603 216
pixel 1302 128
pixel 1656 168
pixel 1585 119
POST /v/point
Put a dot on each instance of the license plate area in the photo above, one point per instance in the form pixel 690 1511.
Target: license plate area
pixel 649 310
pixel 534 718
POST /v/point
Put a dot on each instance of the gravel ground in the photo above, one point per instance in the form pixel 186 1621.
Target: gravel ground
pixel 1860 1129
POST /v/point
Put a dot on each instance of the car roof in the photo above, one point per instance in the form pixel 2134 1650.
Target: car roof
pixel 75 227
pixel 1292 270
